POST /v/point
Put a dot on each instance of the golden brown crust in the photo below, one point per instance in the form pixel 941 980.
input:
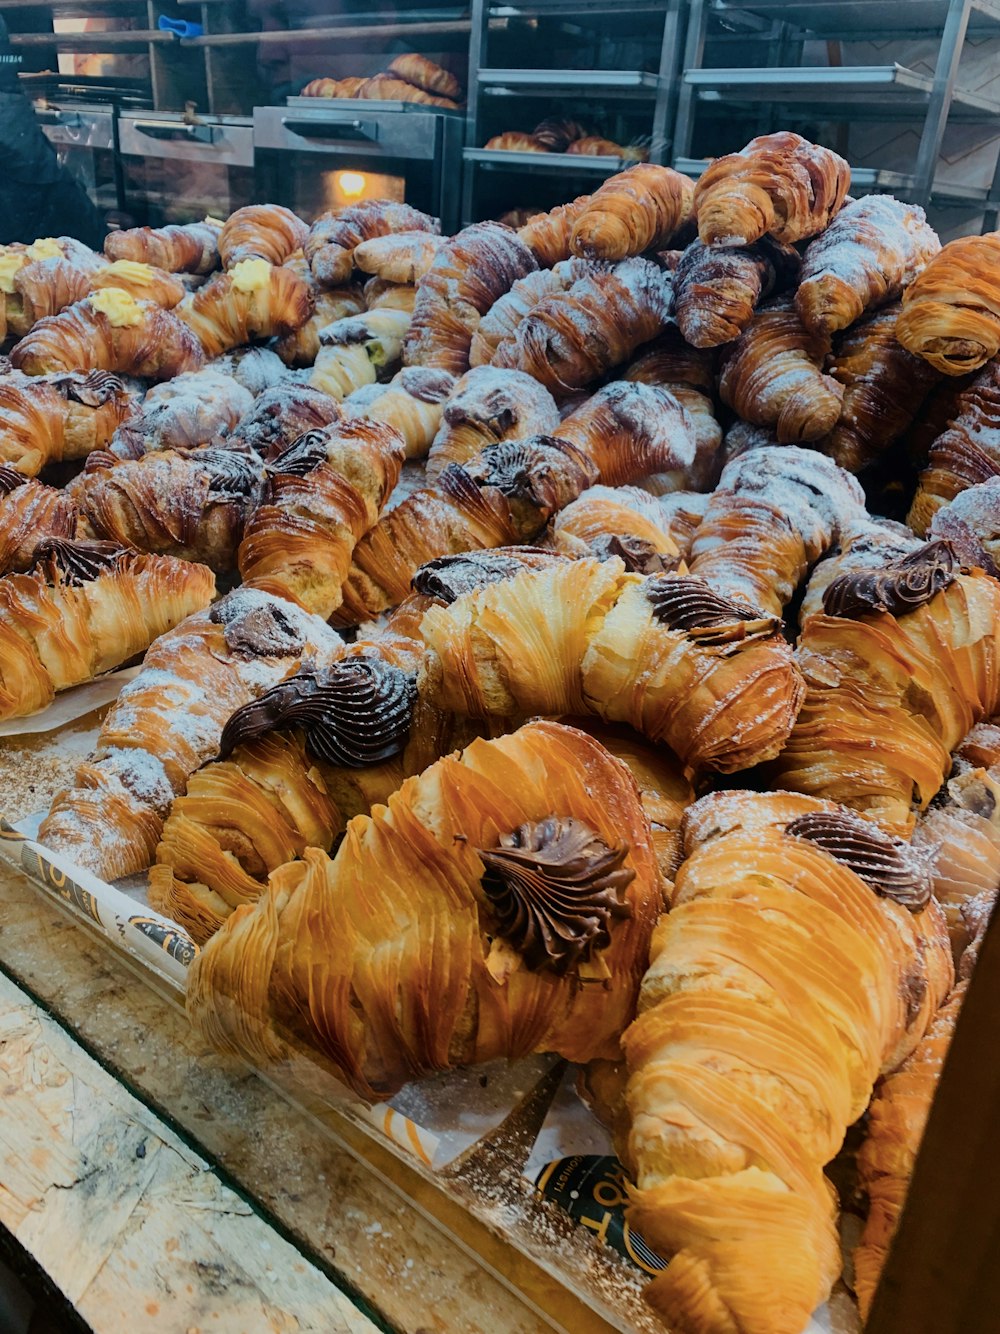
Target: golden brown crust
pixel 425 74
pixel 412 402
pixel 502 319
pixel 261 231
pixel 333 87
pixel 717 290
pixel 45 419
pixel 779 185
pixel 56 631
pixel 486 406
pixel 471 271
pixel 772 376
pixel 399 257
pixel 547 235
pixel 142 281
pixel 191 248
pixel 631 430
pixel 743 1078
pixel 966 452
pixel 324 493
pixel 301 346
pixel 227 313
pixel 468 1001
pixel 951 312
pixel 333 238
pixel 30 512
pixel 515 141
pixel 670 362
pixel 386 88
pixel 156 346
pixel 639 209
pixel 873 249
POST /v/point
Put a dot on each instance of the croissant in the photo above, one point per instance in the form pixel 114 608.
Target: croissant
pixel 684 512
pixel 502 319
pixel 192 503
pixel 47 419
pixel 192 248
pixel 951 311
pixel 354 351
pixel 333 239
pixel 802 954
pixel 169 719
pixel 253 299
pixel 280 415
pixel 471 271
pixel 557 135
pixel 631 430
pixel 639 209
pixel 255 368
pixel 47 286
pixel 85 608
pixel 301 346
pixel 382 295
pixel 593 145
pixel 779 185
pixel 713 680
pixel 515 141
pixel 424 73
pixel 617 521
pixel 688 373
pixel 897 1118
pixel 967 451
pixel 872 250
pixel 772 376
pixel 324 492
pixel 110 331
pixel 971 522
pixel 311 753
pixel 142 281
pixel 547 235
pixel 775 512
pixel 899 665
pixel 261 231
pixel 399 257
pixel 571 338
pixel 412 402
pixel 386 88
pixel 486 406
pixel 502 497
pixel 959 834
pixel 884 389
pixel 332 87
pixel 717 290
pixel 30 512
pixel 183 413
pixel 864 545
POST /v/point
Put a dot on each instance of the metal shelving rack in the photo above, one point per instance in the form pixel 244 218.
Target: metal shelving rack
pixel 654 92
pixel 872 92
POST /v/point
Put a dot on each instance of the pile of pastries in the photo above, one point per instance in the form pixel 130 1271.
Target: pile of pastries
pixel 524 670
pixel 407 78
pixel 565 136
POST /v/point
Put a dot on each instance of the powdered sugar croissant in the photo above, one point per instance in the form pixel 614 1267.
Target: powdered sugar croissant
pixel 486 406
pixel 45 419
pixel 485 847
pixel 639 209
pixel 966 453
pixel 689 374
pixel 329 248
pixel 412 402
pixel 261 231
pixel 30 512
pixel 253 300
pixel 718 288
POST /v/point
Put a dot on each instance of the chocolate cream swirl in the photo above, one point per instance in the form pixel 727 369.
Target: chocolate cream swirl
pixel 888 865
pixel 899 587
pixel 10 479
pixel 304 454
pixel 688 604
pixel 76 560
pixel 556 888
pixel 447 578
pixel 353 714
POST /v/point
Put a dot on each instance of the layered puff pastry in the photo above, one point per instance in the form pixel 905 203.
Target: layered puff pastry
pixel 356 350
pixel 261 231
pixel 802 956
pixel 951 312
pixel 900 663
pixel 30 512
pixel 191 248
pixel 168 721
pixel 110 331
pixel 718 288
pixel 253 300
pixel 412 402
pixel 639 209
pixel 620 521
pixel 501 321
pixel 712 679
pixel 779 185
pixel 485 406
pixel 323 493
pixel 66 415
pixel 530 894
pixel 41 278
pixel 688 373
pixel 83 609
pixel 333 238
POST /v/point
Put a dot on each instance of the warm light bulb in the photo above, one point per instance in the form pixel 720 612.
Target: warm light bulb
pixel 352 183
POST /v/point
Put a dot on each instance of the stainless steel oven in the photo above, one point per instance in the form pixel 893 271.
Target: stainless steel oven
pixel 178 169
pixel 315 154
pixel 83 135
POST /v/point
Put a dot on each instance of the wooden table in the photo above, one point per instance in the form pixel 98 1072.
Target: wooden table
pixel 161 1188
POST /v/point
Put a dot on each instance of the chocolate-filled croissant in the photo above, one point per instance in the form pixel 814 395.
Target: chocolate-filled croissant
pixel 280 415
pixel 45 419
pixel 488 405
pixel 30 512
pixel 523 883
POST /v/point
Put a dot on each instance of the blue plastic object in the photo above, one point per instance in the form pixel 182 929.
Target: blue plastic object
pixel 179 27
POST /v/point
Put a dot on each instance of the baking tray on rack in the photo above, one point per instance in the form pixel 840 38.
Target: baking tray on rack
pixel 369 104
pixel 470 1150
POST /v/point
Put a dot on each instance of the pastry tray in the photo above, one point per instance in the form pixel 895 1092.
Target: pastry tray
pixel 465 1148
pixel 370 104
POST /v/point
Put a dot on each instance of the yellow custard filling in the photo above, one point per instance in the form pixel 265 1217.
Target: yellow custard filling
pixel 119 306
pixel 250 275
pixel 130 270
